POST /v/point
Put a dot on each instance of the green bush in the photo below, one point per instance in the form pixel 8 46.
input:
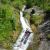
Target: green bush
pixel 9 22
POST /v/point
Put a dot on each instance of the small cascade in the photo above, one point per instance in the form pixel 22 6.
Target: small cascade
pixel 25 38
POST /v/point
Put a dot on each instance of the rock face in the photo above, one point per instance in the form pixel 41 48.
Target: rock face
pixel 45 29
pixel 47 16
pixel 34 9
pixel 43 45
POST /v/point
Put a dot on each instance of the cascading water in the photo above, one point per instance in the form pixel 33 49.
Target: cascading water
pixel 25 38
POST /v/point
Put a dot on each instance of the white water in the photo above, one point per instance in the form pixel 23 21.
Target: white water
pixel 20 45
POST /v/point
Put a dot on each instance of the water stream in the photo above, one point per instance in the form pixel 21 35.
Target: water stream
pixel 25 38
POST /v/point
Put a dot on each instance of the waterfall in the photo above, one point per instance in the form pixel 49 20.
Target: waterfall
pixel 24 39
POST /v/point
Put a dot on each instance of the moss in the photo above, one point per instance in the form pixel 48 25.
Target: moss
pixel 36 19
pixel 27 16
pixel 48 36
pixel 36 40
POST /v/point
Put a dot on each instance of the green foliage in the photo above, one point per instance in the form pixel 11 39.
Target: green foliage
pixel 48 36
pixel 43 4
pixel 5 1
pixel 36 19
pixel 9 22
pixel 27 16
pixel 19 3
pixel 5 24
pixel 29 3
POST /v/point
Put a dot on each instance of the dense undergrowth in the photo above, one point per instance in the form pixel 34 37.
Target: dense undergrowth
pixel 9 25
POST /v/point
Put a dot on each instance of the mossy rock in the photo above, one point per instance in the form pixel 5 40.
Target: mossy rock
pixel 27 16
pixel 36 19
